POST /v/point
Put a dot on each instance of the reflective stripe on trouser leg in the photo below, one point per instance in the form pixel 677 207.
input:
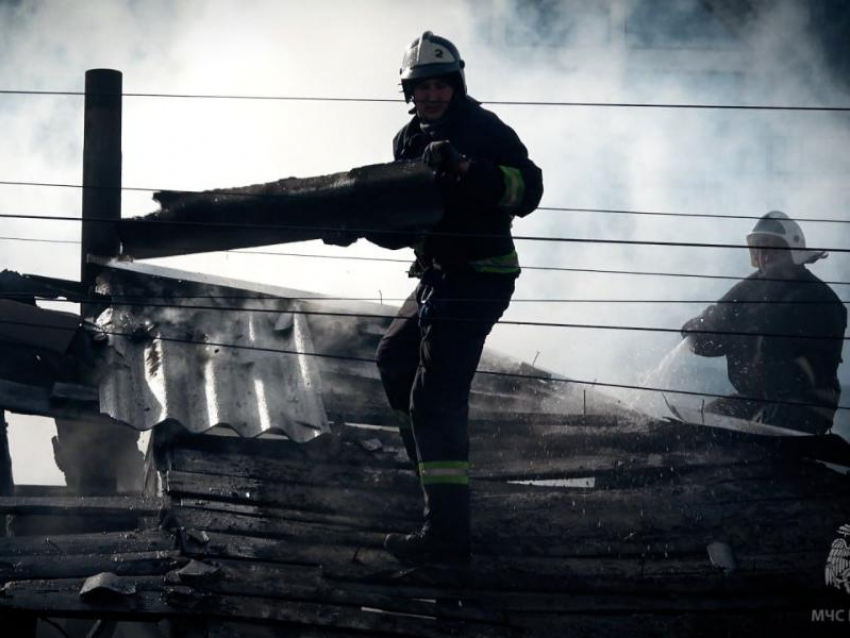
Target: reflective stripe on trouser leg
pixel 445 485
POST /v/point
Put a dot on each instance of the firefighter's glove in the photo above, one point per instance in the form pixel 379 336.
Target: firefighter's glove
pixel 691 325
pixel 687 332
pixel 340 237
pixel 445 159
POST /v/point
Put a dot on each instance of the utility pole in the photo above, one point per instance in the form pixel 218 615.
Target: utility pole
pixel 101 174
pixel 7 485
pixel 101 214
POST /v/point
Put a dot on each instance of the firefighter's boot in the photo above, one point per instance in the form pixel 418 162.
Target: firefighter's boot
pixel 445 536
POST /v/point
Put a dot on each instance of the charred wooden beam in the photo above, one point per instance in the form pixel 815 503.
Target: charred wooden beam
pixel 149 598
pixel 83 505
pixel 112 543
pixel 385 202
pixel 354 499
pixel 545 522
pixel 78 566
pixel 24 398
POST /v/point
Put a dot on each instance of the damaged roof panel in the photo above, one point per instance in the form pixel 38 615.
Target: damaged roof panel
pixel 172 358
pixel 206 351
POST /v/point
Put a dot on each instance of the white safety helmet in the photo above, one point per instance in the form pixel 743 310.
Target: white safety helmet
pixel 778 224
pixel 430 56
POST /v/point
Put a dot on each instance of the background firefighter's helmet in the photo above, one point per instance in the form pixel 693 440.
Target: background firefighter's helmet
pixel 430 56
pixel 778 224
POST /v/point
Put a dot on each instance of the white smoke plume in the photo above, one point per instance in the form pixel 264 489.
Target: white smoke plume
pixel 676 160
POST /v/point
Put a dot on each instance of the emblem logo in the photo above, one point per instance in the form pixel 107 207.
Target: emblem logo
pixel 838 561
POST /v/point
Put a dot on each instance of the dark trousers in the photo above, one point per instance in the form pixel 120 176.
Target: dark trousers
pixel 427 360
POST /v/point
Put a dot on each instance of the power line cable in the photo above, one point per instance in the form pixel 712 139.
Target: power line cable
pixel 542 103
pixel 616 211
pixel 569 209
pixel 352 359
pixel 119 299
pixel 502 322
pixel 598 271
pixel 362 231
pixel 40 240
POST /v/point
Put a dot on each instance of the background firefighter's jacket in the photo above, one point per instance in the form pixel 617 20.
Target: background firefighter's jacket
pixel 502 183
pixel 793 368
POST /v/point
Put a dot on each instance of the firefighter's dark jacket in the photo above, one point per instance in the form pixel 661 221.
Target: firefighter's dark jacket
pixel 783 367
pixel 502 183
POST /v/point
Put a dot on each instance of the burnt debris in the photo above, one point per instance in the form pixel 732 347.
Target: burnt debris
pixel 386 202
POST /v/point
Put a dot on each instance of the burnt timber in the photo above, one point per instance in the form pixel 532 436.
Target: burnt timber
pixel 253 537
pixel 378 201
pixel 665 527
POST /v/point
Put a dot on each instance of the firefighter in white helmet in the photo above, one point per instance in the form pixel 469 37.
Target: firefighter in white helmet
pixel 785 367
pixel 467 266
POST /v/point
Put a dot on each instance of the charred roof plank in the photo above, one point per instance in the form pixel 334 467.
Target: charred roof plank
pixel 394 197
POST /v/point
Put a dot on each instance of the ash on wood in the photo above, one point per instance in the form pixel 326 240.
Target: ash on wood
pixel 389 203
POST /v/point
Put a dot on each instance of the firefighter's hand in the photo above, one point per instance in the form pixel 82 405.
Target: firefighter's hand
pixel 690 325
pixel 445 158
pixel 339 237
pixel 688 328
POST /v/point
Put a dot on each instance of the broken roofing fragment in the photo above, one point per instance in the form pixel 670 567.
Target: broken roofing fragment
pixel 107 584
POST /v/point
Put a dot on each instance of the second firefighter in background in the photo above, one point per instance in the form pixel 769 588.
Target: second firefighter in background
pixel 782 332
pixel 467 267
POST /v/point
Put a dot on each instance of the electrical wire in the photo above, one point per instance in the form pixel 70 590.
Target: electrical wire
pixel 616 211
pixel 365 231
pixel 40 240
pixel 569 209
pixel 408 261
pixel 597 271
pixel 118 299
pixel 542 103
pixel 352 359
pixel 467 320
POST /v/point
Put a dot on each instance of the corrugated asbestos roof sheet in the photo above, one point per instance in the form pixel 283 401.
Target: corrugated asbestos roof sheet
pixel 177 367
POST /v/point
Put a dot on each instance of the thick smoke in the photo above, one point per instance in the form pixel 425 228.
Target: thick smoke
pixel 689 161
